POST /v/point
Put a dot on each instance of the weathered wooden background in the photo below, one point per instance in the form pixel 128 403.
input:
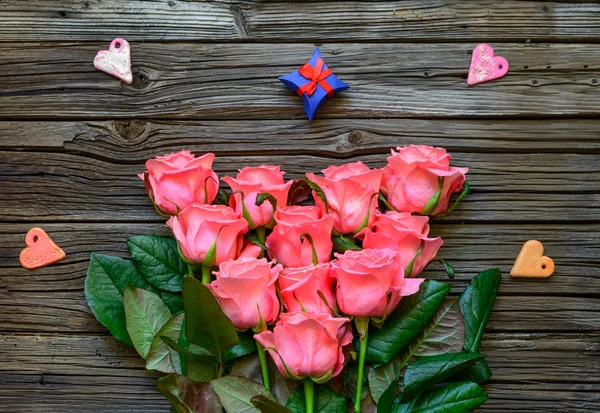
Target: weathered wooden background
pixel 72 140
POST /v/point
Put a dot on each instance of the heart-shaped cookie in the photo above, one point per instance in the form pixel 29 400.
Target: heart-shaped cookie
pixel 116 61
pixel 40 251
pixel 485 66
pixel 531 262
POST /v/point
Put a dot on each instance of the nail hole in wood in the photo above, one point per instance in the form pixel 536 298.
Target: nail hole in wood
pixel 35 238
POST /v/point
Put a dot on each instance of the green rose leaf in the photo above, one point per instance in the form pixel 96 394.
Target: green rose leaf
pixel 157 259
pixel 161 357
pixel 386 400
pixel 478 373
pixel 106 280
pixel 188 396
pixel 380 378
pixel 193 351
pixel 429 371
pixel 145 314
pixel 172 300
pixel 201 369
pixel 326 400
pixel 476 304
pixel 342 244
pixel 408 321
pixel 236 392
pixel 266 405
pixel 245 346
pixel 448 398
pixel 206 325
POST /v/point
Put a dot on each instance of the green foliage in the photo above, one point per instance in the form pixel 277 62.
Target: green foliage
pixel 447 398
pixel 266 405
pixel 160 356
pixel 157 259
pixel 236 393
pixel 326 400
pixel 188 396
pixel 105 283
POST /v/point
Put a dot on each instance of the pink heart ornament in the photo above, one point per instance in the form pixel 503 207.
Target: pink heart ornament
pixel 116 61
pixel 485 66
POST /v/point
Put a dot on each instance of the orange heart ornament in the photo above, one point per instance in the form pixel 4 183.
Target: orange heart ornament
pixel 40 250
pixel 531 262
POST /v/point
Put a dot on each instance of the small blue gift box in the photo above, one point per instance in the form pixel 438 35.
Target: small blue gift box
pixel 314 82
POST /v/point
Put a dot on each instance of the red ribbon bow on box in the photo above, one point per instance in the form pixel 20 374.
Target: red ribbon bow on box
pixel 316 75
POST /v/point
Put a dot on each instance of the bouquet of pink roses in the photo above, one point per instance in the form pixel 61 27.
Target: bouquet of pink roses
pixel 262 302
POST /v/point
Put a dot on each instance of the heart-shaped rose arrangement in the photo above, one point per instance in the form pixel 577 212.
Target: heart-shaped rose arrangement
pixel 328 294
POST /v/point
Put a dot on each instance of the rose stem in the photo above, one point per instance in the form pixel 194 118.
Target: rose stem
pixel 263 365
pixel 205 274
pixel 309 394
pixel 261 234
pixel 190 271
pixel 361 370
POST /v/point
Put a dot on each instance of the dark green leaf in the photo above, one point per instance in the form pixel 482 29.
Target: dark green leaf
pixel 476 304
pixel 145 314
pixel 448 398
pixel 478 373
pixel 380 378
pixel 160 356
pixel 196 369
pixel 449 268
pixel 222 197
pixel 157 259
pixel 172 300
pixel 188 396
pixel 106 280
pixel 266 405
pixel 350 380
pixel 406 322
pixel 235 393
pixel 194 352
pixel 466 191
pixel 246 345
pixel 206 325
pixel 387 397
pixel 342 244
pixel 326 400
pixel 427 372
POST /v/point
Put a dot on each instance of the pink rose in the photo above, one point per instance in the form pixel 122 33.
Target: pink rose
pixel 301 231
pixel 310 345
pixel 209 234
pixel 412 178
pixel 300 288
pixel 351 193
pixel 245 286
pixel 407 235
pixel 178 180
pixel 365 278
pixel 252 181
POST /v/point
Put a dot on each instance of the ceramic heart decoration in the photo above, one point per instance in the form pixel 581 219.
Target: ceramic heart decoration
pixel 116 61
pixel 531 262
pixel 485 66
pixel 40 251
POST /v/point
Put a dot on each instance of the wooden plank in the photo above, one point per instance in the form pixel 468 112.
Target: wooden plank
pixel 61 370
pixel 44 20
pixel 470 248
pixel 239 81
pixel 136 140
pixel 75 187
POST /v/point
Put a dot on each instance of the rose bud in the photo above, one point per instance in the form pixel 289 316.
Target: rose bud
pixel 370 283
pixel 208 234
pixel 178 180
pixel 245 286
pixel 301 237
pixel 420 179
pixel 407 235
pixel 306 344
pixel 248 184
pixel 351 195
pixel 300 288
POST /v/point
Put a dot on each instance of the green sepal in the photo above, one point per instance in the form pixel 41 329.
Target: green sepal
pixel 433 202
pixel 315 187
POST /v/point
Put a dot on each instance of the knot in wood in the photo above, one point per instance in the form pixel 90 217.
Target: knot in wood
pixel 130 129
pixel 355 137
pixel 141 79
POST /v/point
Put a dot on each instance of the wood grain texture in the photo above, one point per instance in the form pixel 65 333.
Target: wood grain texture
pixel 398 21
pixel 135 140
pixel 75 187
pixel 61 369
pixel 470 248
pixel 233 81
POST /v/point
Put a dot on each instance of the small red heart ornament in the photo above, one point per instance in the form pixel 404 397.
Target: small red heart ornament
pixel 485 66
pixel 116 61
pixel 40 251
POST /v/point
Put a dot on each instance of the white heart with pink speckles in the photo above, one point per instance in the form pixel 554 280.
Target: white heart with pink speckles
pixel 116 61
